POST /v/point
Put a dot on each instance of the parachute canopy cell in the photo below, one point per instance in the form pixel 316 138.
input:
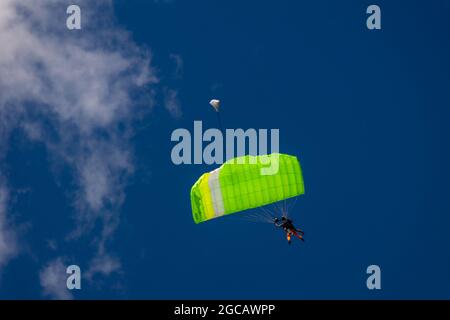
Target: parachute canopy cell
pixel 215 104
pixel 238 185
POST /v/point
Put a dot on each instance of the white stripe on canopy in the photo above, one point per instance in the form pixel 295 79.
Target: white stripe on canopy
pixel 216 193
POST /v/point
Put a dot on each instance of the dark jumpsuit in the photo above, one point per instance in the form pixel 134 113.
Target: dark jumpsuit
pixel 289 228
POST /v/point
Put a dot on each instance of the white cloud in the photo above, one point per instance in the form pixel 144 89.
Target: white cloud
pixel 53 280
pixel 74 91
pixel 172 103
pixel 52 244
pixel 179 64
pixel 104 265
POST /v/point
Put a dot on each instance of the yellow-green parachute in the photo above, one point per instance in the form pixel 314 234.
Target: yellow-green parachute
pixel 243 183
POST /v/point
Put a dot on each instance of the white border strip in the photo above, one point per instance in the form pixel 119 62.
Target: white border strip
pixel 216 193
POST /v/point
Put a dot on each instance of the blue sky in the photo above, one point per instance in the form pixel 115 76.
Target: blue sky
pixel 85 169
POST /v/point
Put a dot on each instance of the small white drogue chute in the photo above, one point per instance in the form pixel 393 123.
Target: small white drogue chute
pixel 215 104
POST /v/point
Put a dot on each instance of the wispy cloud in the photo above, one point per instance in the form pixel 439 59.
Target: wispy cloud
pixel 75 92
pixel 172 103
pixel 179 65
pixel 53 279
pixel 103 265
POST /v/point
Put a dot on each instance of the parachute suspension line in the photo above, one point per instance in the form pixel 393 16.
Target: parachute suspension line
pixel 249 218
pixel 280 208
pixel 266 211
pixel 285 209
pixel 292 204
pixel 215 103
pixel 265 218
pixel 219 120
pixel 268 217
pixel 255 217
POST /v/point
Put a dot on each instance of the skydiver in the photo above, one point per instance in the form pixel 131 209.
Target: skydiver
pixel 288 227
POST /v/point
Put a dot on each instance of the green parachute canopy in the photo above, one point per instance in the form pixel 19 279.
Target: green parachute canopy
pixel 243 183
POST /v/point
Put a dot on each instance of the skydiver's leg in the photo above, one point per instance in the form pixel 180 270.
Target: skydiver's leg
pixel 288 236
pixel 298 236
pixel 300 231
